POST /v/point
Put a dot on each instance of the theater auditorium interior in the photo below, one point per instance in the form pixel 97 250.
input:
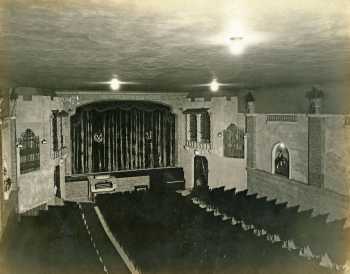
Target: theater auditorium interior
pixel 171 136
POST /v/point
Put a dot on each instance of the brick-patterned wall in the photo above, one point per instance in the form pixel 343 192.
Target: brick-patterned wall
pixel 316 151
pixel 296 193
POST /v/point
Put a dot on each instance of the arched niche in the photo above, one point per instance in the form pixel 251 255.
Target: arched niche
pixel 281 160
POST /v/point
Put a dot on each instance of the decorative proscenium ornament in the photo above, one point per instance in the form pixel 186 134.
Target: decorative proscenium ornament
pixel 98 137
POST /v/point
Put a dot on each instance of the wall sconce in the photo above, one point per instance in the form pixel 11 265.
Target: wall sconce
pixel 44 141
pixel 196 152
pixel 220 134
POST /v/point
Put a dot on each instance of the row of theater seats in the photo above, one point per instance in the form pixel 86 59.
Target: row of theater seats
pixel 287 222
pixel 167 233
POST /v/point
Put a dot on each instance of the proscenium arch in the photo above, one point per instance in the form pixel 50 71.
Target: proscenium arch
pixel 85 103
pixel 110 104
pixel 284 147
pixel 113 135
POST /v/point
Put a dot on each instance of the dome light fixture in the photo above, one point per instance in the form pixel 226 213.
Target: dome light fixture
pixel 115 84
pixel 237 45
pixel 214 85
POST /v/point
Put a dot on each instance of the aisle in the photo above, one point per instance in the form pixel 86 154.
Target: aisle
pixel 54 242
pixel 111 259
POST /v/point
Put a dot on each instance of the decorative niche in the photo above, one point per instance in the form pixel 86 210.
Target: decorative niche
pixel 233 142
pixel 198 128
pixel 29 145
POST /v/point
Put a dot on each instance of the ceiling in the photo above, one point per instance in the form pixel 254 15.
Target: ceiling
pixel 170 45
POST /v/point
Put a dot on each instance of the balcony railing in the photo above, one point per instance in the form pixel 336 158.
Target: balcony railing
pixel 281 118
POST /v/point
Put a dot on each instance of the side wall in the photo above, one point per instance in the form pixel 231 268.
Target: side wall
pixel 223 171
pixel 318 145
pixel 337 154
pixel 293 134
pixel 37 187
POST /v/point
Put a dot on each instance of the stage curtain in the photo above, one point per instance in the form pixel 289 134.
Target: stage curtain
pixel 116 136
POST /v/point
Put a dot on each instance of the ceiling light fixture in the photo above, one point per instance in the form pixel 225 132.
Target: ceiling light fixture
pixel 115 84
pixel 214 85
pixel 236 45
pixel 237 36
pixel 236 40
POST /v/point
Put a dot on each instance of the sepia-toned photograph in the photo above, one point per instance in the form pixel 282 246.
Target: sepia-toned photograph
pixel 174 137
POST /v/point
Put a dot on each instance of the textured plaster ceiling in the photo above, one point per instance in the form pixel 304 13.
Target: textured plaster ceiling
pixel 171 44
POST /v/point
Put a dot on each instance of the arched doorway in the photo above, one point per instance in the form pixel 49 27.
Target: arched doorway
pixel 200 172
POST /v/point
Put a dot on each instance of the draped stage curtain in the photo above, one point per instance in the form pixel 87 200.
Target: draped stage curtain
pixel 112 136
